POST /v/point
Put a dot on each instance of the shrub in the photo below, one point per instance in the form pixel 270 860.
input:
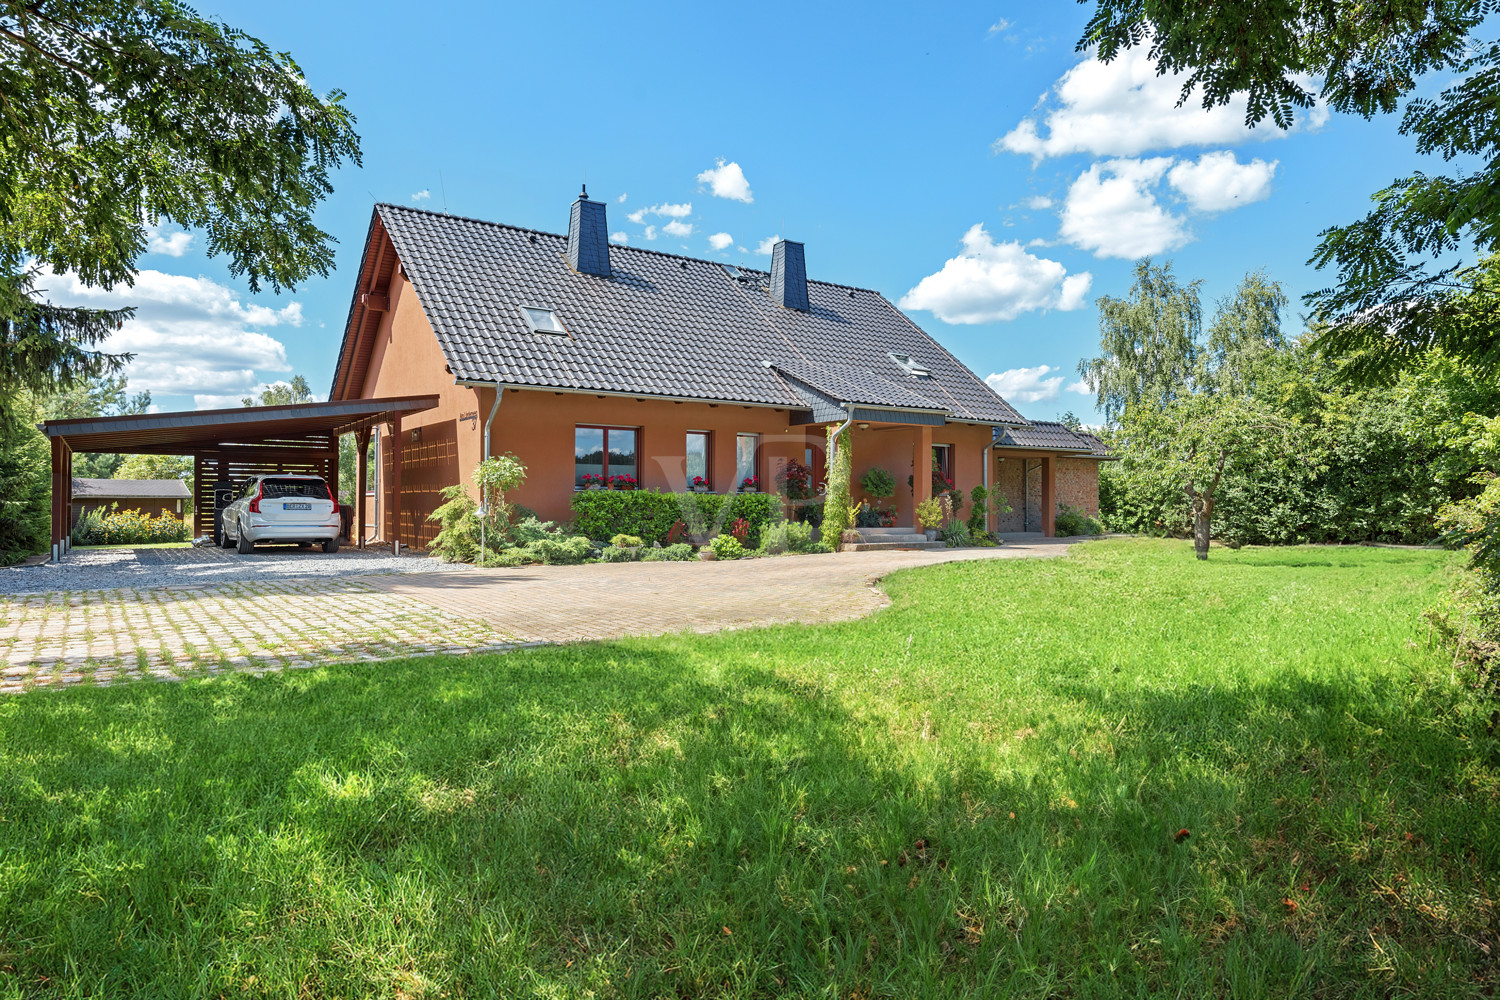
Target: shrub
pixel 808 511
pixel 626 541
pixel 930 513
pixel 978 496
pixel 616 553
pixel 788 536
pixel 532 530
pixel 957 534
pixel 795 480
pixel 655 517
pixel 458 537
pixel 867 517
pixel 739 530
pixel 558 551
pixel 1072 521
pixel 727 547
pixel 504 559
pixel 878 483
pixel 836 514
pixel 129 527
pixel 671 553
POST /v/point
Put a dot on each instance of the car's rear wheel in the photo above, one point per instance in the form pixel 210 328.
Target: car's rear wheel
pixel 246 546
pixel 331 546
pixel 224 539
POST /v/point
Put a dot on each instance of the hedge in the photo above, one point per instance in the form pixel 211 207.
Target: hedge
pixel 602 514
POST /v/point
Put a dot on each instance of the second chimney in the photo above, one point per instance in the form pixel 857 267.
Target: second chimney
pixel 788 275
pixel 588 237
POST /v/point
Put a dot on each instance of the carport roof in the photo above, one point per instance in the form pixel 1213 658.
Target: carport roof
pixel 189 431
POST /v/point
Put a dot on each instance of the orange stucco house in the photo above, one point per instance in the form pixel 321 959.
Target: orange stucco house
pixel 586 359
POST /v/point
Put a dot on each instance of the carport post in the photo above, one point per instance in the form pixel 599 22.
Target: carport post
pixel 361 475
pixel 396 483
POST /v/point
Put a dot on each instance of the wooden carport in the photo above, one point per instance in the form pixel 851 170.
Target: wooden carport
pixel 231 446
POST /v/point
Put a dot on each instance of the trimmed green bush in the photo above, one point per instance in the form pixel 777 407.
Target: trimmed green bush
pixel 626 541
pixel 788 536
pixel 619 553
pixel 727 547
pixel 680 552
pixel 558 551
pixel 649 515
pixel 1072 521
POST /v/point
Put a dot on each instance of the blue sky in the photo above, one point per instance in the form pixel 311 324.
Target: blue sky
pixel 963 160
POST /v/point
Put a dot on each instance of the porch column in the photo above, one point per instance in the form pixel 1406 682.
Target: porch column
pixel 921 467
pixel 361 475
pixel 1049 496
pixel 59 518
pixel 396 483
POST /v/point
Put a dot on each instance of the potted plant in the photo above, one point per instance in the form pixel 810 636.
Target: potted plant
pixel 699 485
pixel 749 484
pixel 930 517
pixel 622 482
pixel 593 481
pixel 878 484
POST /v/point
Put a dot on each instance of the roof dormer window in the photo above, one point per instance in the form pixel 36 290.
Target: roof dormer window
pixel 544 321
pixel 909 366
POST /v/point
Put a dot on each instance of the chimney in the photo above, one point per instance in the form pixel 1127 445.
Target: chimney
pixel 588 237
pixel 788 275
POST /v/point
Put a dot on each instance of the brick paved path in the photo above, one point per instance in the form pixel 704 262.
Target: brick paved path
pixel 101 636
pixel 608 600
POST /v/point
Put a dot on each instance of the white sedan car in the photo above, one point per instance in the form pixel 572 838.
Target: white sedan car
pixel 282 508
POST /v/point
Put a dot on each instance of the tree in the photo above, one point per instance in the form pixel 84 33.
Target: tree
pixel 282 394
pixel 105 395
pixel 156 467
pixel 1393 299
pixel 25 481
pixel 118 115
pixel 1184 409
pixel 1149 343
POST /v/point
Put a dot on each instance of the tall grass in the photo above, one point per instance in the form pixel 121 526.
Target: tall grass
pixel 1123 773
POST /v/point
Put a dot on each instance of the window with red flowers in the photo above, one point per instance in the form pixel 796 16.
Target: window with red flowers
pixel 605 456
pixel 942 468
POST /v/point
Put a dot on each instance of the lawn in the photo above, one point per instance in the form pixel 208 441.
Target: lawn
pixel 1121 773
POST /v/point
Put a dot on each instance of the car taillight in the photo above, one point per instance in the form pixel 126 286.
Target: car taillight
pixel 255 504
pixel 331 497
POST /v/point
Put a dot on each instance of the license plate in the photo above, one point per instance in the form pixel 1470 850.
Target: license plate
pixel 296 506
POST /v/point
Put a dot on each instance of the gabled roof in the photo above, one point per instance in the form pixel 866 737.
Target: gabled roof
pixel 133 489
pixel 1051 436
pixel 659 325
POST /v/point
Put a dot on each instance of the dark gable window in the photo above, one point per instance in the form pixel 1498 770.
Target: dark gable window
pixel 604 452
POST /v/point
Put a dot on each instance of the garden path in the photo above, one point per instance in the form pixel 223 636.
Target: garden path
pixel 65 638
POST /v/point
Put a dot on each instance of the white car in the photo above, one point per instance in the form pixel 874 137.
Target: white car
pixel 282 508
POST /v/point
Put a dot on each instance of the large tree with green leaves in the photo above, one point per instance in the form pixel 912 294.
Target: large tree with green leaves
pixel 119 115
pixel 1403 282
pixel 105 396
pixel 1184 407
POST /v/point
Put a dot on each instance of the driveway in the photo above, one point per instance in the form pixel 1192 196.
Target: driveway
pixel 69 637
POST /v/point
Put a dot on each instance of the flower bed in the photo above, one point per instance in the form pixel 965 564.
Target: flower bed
pixel 651 515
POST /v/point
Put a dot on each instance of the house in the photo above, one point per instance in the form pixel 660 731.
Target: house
pixel 154 497
pixel 590 359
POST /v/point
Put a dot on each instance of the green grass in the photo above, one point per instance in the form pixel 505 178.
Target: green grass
pixel 975 792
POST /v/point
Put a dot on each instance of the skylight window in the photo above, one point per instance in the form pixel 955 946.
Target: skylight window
pixel 544 321
pixel 909 366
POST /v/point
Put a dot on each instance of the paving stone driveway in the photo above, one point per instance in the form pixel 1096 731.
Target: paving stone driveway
pixel 101 636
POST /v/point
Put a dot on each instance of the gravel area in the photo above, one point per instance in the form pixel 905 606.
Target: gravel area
pixel 111 569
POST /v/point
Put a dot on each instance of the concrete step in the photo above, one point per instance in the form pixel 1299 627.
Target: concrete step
pixel 918 542
pixel 884 534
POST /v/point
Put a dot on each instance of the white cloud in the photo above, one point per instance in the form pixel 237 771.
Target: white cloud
pixel 992 281
pixel 1026 385
pixel 1111 210
pixel 665 210
pixel 720 241
pixel 999 26
pixel 169 244
pixel 621 199
pixel 1039 202
pixel 190 336
pixel 422 195
pixel 1081 387
pixel 1218 182
pixel 765 246
pixel 1123 108
pixel 620 237
pixel 678 229
pixel 650 233
pixel 727 180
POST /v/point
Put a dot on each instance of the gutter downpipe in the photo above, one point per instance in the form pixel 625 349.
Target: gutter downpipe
pixel 834 451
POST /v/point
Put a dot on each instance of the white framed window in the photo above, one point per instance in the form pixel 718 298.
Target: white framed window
pixel 543 320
